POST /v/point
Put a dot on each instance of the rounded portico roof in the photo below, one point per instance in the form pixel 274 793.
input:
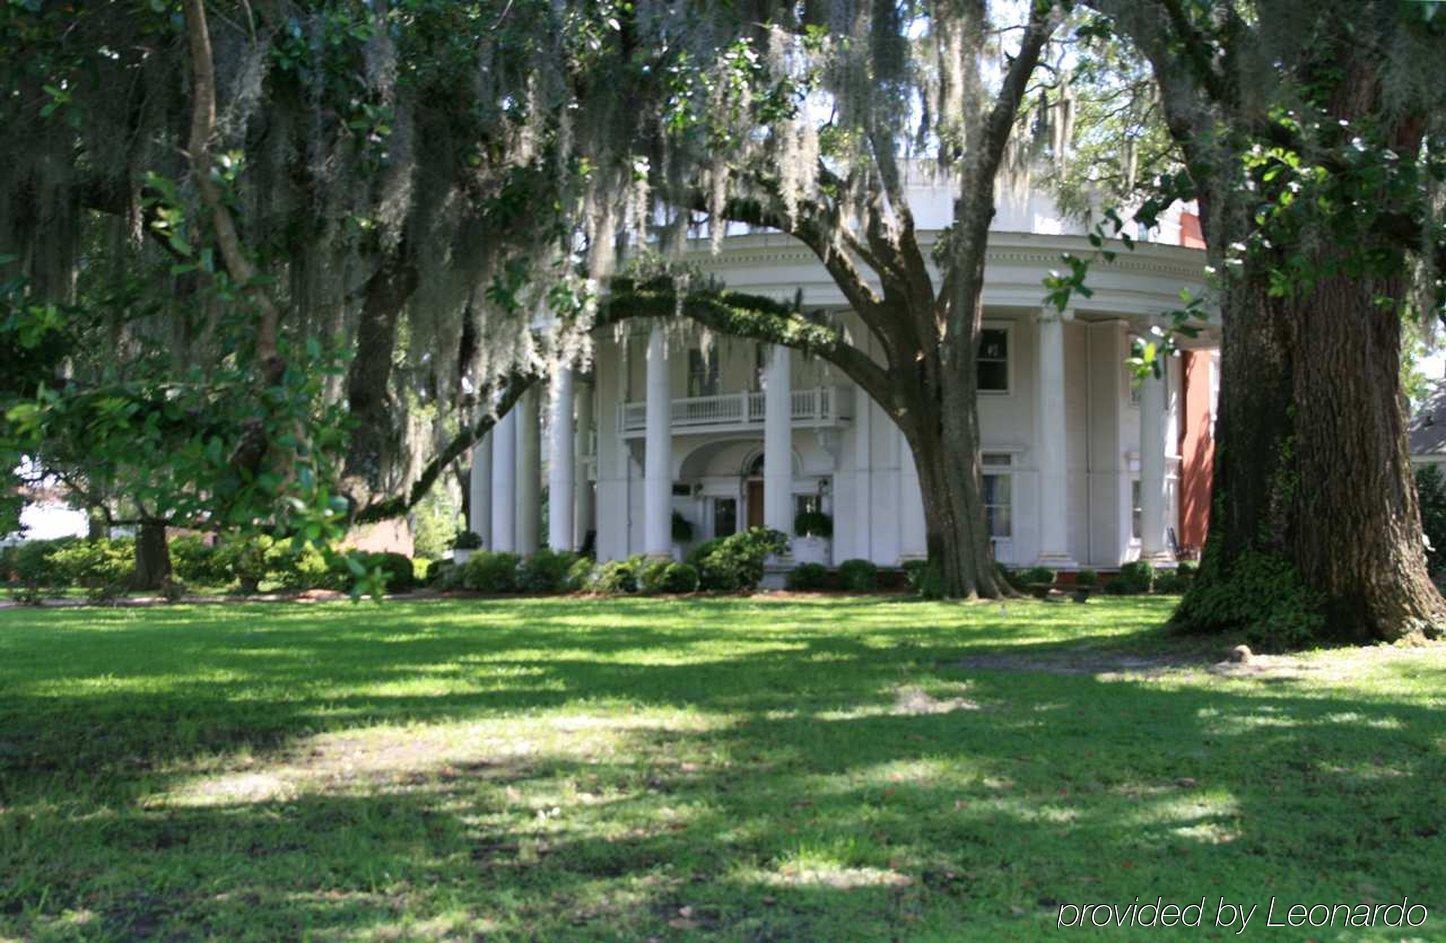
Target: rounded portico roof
pixel 1141 282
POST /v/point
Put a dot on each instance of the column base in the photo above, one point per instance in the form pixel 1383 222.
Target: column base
pixel 1158 558
pixel 1057 561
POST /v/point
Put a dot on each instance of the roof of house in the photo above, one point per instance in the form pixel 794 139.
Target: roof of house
pixel 1428 425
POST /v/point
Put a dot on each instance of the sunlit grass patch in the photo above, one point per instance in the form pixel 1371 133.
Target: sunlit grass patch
pixel 734 769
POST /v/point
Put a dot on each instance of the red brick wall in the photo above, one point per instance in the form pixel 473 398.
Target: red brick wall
pixel 1197 451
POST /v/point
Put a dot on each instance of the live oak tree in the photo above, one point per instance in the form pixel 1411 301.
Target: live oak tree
pixel 810 121
pixel 1313 139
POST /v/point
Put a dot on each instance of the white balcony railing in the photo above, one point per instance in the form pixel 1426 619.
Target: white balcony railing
pixel 816 408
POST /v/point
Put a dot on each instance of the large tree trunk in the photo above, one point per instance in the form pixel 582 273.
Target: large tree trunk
pixel 153 555
pixel 945 447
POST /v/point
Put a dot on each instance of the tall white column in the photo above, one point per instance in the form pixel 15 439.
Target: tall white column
pixel 1153 431
pixel 529 473
pixel 479 491
pixel 1052 447
pixel 582 487
pixel 658 457
pixel 560 461
pixel 504 482
pixel 778 441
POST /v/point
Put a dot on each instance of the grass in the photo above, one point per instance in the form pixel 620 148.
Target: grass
pixel 838 769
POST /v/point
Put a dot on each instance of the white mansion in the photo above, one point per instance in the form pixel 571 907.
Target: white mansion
pixel 1083 467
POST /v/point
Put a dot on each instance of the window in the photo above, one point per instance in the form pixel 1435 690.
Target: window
pixel 998 494
pixel 993 363
pixel 702 373
pixel 725 516
pixel 1136 514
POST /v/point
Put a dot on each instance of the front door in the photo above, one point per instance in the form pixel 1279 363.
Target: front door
pixel 755 503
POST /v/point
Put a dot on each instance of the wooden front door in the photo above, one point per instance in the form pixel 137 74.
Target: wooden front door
pixel 755 503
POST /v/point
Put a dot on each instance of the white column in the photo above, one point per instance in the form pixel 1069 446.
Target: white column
pixel 582 487
pixel 560 461
pixel 1153 432
pixel 529 473
pixel 1052 447
pixel 504 482
pixel 778 441
pixel 479 491
pixel 658 457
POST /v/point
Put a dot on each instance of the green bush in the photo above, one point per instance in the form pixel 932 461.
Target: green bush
pixel 1008 577
pixel 491 571
pixel 619 576
pixel 467 540
pixel 304 567
pixel 396 569
pixel 1038 576
pixel 1134 578
pixel 1087 578
pixel 680 578
pixel 736 562
pixel 547 571
pixel 445 575
pixel 859 576
pixel 96 565
pixel 580 576
pixel 682 529
pixel 650 576
pixel 244 558
pixel 813 524
pixel 807 576
pixel 194 561
pixel 30 565
pixel 1187 568
pixel 1171 582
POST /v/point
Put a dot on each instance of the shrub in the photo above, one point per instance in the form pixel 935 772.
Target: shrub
pixel 860 576
pixel 1008 577
pixel 1169 581
pixel 1086 578
pixel 650 575
pixel 445 575
pixel 1135 577
pixel 736 562
pixel 807 576
pixel 813 524
pixel 94 564
pixel 1187 568
pixel 493 571
pixel 467 540
pixel 396 569
pixel 304 567
pixel 195 561
pixel 680 578
pixel 580 575
pixel 682 529
pixel 547 571
pixel 619 576
pixel 244 559
pixel 1038 576
pixel 30 566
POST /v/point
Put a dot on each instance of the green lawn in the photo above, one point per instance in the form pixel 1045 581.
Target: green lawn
pixel 840 769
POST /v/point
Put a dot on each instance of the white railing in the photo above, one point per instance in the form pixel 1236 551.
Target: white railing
pixel 820 406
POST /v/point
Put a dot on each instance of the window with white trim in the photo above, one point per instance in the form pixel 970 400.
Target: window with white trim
pixel 1137 513
pixel 992 365
pixel 998 494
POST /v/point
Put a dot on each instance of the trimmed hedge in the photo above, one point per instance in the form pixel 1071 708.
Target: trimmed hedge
pixel 807 576
pixel 491 571
pixel 859 576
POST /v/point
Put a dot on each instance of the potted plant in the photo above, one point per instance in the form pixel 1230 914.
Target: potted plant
pixel 463 545
pixel 812 530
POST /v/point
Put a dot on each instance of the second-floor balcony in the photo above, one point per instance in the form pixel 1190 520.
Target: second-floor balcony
pixel 818 408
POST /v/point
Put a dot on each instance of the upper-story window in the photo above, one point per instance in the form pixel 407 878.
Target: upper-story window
pixel 993 363
pixel 702 373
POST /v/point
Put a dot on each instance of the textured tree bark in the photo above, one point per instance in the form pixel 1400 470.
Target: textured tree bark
pixel 153 555
pixel 368 386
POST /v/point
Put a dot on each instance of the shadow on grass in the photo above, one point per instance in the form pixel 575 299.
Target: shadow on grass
pixel 756 772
